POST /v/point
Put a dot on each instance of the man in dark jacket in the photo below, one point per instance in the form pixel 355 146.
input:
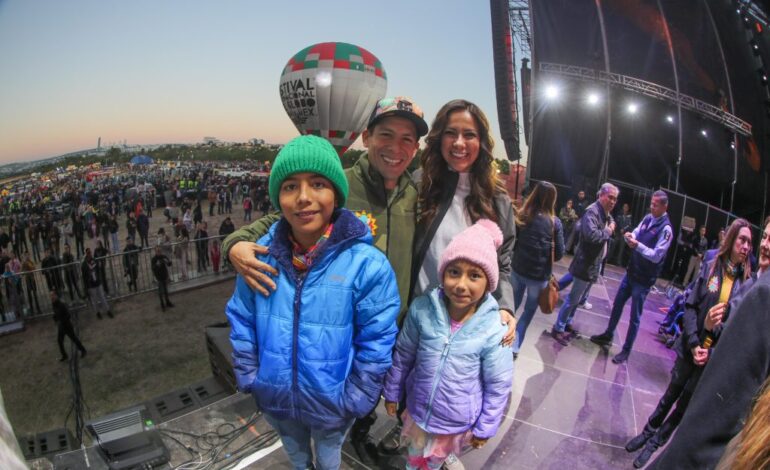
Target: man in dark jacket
pixel 92 281
pixel 649 243
pixel 51 271
pixel 734 374
pixel 160 264
pixel 131 263
pixel 70 272
pixel 143 227
pixel 596 228
pixel 64 325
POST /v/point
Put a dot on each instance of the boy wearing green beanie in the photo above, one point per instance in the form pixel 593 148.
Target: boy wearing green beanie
pixel 314 353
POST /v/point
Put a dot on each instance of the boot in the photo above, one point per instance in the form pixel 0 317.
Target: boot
pixel 646 453
pixel 603 339
pixel 640 440
pixel 366 449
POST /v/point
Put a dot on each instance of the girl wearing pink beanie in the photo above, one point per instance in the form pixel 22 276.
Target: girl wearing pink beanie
pixel 449 348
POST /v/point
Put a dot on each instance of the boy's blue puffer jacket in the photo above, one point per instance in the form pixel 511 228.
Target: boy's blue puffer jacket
pixel 317 349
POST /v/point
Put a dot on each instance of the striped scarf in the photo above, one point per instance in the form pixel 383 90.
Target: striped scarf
pixel 301 258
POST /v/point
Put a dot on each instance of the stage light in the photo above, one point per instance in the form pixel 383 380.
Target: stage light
pixel 762 75
pixel 704 133
pixel 754 47
pixel 632 108
pixel 551 92
pixel 732 145
pixel 670 119
pixel 592 98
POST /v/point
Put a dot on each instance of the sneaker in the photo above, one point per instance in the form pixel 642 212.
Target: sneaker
pixel 109 314
pixel 603 339
pixel 560 337
pixel 586 305
pixel 99 315
pixel 83 353
pixel 640 440
pixel 452 463
pixel 572 331
pixel 169 305
pixel 645 454
pixel 63 358
pixel 621 357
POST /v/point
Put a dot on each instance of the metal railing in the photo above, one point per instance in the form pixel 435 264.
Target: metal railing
pixel 26 295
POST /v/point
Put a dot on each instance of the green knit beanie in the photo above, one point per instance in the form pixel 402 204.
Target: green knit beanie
pixel 308 154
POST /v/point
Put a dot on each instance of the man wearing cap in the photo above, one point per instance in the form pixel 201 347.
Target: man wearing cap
pixel 382 191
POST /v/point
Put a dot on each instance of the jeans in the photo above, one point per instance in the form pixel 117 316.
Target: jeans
pixel 295 438
pixel 637 293
pixel 566 280
pixel 533 288
pixel 567 311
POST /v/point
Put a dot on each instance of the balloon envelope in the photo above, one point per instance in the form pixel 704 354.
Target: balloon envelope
pixel 330 89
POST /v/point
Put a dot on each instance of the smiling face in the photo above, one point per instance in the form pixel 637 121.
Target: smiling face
pixel 464 285
pixel 307 202
pixel 391 146
pixel 460 142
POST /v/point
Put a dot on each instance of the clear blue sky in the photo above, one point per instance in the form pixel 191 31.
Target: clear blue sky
pixel 176 71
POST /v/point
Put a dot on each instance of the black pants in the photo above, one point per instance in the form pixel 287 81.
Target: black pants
pixel 684 378
pixel 211 210
pixel 72 284
pixel 79 247
pixel 32 294
pixel 132 275
pixel 65 329
pixel 143 237
pixel 163 293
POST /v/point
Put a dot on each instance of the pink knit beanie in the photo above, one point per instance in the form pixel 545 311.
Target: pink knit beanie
pixel 477 244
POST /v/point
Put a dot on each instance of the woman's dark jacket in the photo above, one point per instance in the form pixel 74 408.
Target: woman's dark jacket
pixel 532 256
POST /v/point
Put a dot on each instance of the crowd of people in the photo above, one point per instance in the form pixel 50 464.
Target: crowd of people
pixel 374 282
pixel 84 237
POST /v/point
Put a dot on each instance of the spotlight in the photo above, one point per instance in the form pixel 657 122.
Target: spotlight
pixel 670 119
pixel 704 133
pixel 732 145
pixel 551 92
pixel 762 75
pixel 592 98
pixel 754 47
pixel 632 108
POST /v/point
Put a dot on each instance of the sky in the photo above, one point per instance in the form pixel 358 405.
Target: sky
pixel 176 71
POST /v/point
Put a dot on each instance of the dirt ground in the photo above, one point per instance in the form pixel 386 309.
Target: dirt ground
pixel 138 355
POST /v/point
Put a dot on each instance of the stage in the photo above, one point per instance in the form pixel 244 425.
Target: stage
pixel 571 407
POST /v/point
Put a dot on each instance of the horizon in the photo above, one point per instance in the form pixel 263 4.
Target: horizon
pixel 151 74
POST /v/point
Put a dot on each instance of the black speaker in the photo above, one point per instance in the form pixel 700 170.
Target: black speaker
pixel 221 355
pixel 46 444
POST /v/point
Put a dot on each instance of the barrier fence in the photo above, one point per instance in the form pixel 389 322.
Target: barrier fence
pixel 26 295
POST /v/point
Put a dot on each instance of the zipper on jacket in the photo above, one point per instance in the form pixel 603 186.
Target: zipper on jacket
pixel 388 204
pixel 295 342
pixel 437 377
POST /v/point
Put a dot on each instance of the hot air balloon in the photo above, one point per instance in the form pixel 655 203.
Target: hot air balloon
pixel 330 89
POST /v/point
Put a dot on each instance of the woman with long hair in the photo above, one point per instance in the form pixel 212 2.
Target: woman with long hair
pixel 704 315
pixel 460 186
pixel 540 241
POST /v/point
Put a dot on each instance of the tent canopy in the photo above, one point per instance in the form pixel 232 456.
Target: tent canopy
pixel 142 160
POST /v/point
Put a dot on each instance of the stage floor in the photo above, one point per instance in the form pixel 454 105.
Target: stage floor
pixel 571 406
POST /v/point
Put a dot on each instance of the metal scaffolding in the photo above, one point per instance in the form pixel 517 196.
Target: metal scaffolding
pixel 652 90
pixel 518 10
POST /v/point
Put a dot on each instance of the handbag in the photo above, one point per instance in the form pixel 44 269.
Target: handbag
pixel 550 293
